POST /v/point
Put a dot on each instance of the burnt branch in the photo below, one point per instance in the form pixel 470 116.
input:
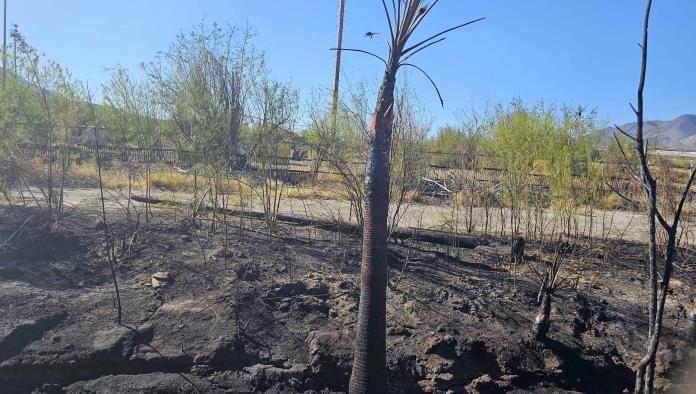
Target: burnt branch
pixel 632 138
pixel 361 51
pixel 413 47
pixel 442 102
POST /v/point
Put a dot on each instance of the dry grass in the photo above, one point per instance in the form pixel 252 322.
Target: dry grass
pixel 117 178
pixel 321 190
pixel 412 196
pixel 111 178
pixel 176 181
pixel 613 202
pixel 171 180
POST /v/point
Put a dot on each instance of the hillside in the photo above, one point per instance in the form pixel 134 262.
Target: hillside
pixel 678 133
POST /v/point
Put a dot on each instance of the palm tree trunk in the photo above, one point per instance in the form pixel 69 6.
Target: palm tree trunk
pixel 369 362
pixel 542 322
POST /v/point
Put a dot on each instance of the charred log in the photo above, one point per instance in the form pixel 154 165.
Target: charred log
pixel 415 234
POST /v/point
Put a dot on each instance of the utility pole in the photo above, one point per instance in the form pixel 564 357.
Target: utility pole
pixel 4 45
pixel 337 73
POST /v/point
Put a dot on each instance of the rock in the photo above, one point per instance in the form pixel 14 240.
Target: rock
pixel 446 328
pixel 459 304
pixel 51 388
pixel 310 304
pixel 145 332
pixel 443 379
pixel 13 341
pixel 309 294
pixel 483 385
pixel 285 304
pixel 399 331
pixel 507 382
pixel 442 346
pixel 435 364
pixel 330 357
pixel 158 382
pixel 223 252
pixel 264 377
pixel 451 364
pixel 247 272
pixel 161 279
pixel 289 289
pixel 438 354
pixel 428 386
pixel 230 353
pixel 114 341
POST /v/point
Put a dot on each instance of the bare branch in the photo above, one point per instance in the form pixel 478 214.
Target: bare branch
pixel 685 193
pixel 634 174
pixel 635 111
pixel 662 220
pixel 624 133
pixel 17 231
pixel 631 201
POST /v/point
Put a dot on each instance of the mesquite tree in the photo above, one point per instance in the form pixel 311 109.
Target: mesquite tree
pixel 670 226
pixel 369 363
pixel 201 82
pixel 41 78
pixel 108 234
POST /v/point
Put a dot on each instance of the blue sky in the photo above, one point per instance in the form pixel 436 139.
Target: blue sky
pixel 560 51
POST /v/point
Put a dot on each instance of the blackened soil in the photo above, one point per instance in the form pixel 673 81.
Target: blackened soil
pixel 243 311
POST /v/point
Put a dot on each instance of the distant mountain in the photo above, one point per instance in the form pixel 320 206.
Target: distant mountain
pixel 678 133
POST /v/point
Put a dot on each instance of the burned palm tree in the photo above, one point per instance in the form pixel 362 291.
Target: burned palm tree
pixel 516 256
pixel 517 251
pixel 542 320
pixel 369 364
pixel 551 281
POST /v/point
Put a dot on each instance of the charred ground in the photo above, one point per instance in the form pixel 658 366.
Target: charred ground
pixel 277 313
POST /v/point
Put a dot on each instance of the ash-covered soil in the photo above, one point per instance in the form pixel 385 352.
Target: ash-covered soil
pixel 277 314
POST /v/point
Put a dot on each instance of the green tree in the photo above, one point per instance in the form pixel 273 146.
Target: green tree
pixel 202 83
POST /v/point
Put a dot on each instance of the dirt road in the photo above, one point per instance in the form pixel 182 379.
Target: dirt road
pixel 602 224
